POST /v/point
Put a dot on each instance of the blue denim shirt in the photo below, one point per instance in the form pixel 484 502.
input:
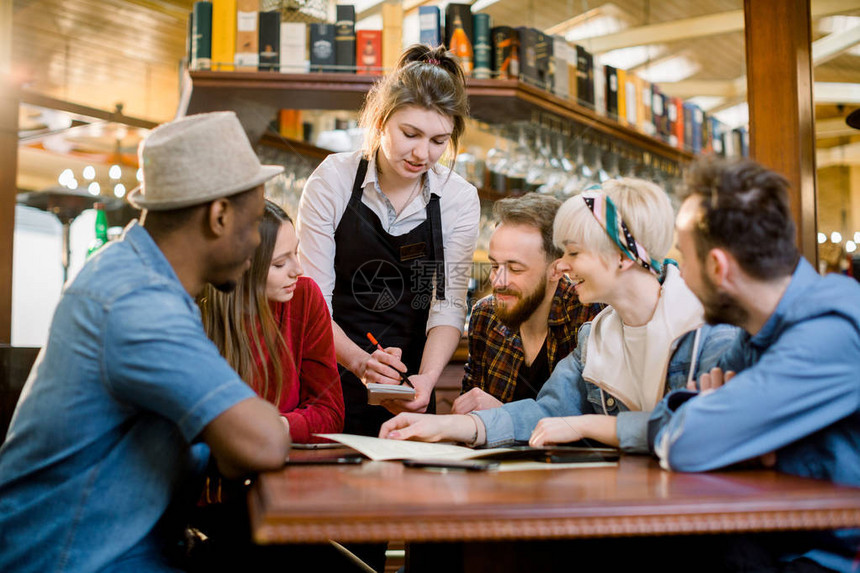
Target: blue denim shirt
pixel 796 392
pixel 101 442
pixel 566 393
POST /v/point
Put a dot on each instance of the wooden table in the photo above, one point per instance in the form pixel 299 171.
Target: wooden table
pixel 380 501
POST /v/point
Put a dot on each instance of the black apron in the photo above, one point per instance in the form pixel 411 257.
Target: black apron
pixel 383 285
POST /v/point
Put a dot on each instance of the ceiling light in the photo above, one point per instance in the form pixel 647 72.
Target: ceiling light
pixel 822 238
pixel 481 4
pixel 601 25
pixel 850 246
pixel 706 102
pixel 139 174
pixel 628 58
pixel 836 24
pixel 94 188
pixel 839 25
pixel 115 172
pixel 119 190
pixel 89 172
pixel 735 116
pixel 66 177
pixel 835 237
pixel 669 70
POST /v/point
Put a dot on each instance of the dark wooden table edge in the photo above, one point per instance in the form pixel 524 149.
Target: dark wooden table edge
pixel 655 521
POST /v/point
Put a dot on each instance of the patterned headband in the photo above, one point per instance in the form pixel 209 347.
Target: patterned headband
pixel 607 215
pixel 433 61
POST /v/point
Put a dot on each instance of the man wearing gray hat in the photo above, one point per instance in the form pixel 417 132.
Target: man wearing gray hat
pixel 129 398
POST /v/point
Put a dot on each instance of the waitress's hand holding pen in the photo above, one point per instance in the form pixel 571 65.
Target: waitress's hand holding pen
pixel 384 365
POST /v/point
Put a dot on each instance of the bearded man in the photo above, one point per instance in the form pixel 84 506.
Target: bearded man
pixel 787 392
pixel 520 332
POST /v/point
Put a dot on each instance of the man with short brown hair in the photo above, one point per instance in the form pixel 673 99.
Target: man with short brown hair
pixel 519 333
pixel 792 390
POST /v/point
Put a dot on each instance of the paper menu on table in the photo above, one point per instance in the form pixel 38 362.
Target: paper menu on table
pixel 379 449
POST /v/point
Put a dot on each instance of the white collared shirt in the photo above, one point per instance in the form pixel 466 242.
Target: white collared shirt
pixel 324 201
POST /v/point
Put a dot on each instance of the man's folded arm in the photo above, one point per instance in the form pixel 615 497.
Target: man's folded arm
pixel 801 384
pixel 248 437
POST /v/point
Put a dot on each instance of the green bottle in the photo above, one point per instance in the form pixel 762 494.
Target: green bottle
pixel 101 229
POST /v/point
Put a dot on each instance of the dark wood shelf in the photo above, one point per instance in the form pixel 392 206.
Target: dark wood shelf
pixel 255 96
pixel 294 146
pixel 503 101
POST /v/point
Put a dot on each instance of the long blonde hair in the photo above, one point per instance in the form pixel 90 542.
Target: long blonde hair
pixel 241 323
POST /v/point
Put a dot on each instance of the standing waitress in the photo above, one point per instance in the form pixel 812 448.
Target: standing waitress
pixel 388 234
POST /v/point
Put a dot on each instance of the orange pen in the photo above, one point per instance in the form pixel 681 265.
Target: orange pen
pixel 403 375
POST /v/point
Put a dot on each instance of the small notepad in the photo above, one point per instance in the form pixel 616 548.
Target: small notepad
pixel 376 393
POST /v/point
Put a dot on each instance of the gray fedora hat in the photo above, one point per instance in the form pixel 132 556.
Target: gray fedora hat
pixel 196 159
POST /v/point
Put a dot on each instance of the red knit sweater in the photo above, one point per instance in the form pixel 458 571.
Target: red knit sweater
pixel 312 399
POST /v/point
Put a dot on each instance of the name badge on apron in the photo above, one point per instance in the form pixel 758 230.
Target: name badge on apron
pixel 413 251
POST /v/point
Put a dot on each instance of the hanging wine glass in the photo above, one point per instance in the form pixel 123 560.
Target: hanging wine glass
pixel 562 167
pixel 613 169
pixel 562 151
pixel 521 158
pixel 643 169
pixel 582 175
pixel 629 163
pixel 602 175
pixel 497 161
pixel 540 167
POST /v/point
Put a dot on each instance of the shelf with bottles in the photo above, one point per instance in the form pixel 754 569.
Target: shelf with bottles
pixel 256 97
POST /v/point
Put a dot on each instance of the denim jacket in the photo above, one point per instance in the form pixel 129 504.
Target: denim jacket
pixel 566 393
pixel 102 442
pixel 796 393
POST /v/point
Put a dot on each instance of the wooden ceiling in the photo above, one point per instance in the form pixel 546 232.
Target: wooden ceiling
pixel 101 52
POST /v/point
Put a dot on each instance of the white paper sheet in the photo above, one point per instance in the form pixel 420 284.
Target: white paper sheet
pixel 379 450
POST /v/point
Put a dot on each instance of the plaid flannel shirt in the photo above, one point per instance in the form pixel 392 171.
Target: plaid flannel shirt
pixel 496 352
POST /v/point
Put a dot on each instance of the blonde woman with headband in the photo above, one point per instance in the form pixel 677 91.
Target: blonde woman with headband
pixel 389 234
pixel 651 338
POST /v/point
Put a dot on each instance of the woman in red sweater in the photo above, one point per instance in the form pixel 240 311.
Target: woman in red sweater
pixel 275 330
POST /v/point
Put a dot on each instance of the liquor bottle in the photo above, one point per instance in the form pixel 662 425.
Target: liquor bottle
pixel 344 39
pixel 247 57
pixel 223 35
pixel 201 41
pixel 461 46
pixel 269 41
pixel 294 47
pixel 101 229
pixel 428 22
pixel 368 51
pixel 483 49
pixel 322 47
pixel 514 65
pixel 505 46
pixel 527 54
pixel 368 54
pixel 392 33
